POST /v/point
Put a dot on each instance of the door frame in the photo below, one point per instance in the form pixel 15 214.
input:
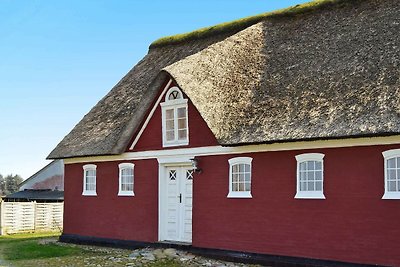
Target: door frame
pixel 163 163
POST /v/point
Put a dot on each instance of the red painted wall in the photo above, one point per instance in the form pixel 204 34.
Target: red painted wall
pixel 108 215
pixel 352 224
pixel 199 133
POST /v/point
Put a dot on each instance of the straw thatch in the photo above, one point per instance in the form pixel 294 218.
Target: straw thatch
pixel 331 73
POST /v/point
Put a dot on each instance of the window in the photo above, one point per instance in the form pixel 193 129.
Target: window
pixel 310 176
pixel 240 177
pixel 89 180
pixel 392 174
pixel 126 179
pixel 175 119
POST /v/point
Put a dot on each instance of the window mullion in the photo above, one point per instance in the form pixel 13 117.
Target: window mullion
pixel 176 132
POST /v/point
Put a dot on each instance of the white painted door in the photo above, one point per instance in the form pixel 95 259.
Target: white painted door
pixel 179 196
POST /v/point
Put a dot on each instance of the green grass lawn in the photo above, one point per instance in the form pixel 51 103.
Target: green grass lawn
pixel 26 246
pixel 29 249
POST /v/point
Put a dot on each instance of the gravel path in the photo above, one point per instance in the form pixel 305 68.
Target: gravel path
pixel 148 257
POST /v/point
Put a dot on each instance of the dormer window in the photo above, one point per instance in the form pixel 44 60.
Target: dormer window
pixel 175 129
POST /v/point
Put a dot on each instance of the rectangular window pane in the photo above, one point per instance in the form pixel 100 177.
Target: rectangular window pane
pixel 247 177
pixel 318 186
pixel 311 176
pixel 169 124
pixel 169 114
pixel 398 162
pixel 392 186
pixel 391 163
pixel 318 175
pixel 391 174
pixel 235 177
pixel 303 166
pixel 241 177
pixel 310 186
pixel 311 165
pixel 247 167
pixel 241 167
pixel 235 187
pixel 241 187
pixel 318 165
pixel 129 187
pixel 303 186
pixel 302 175
pixel 235 168
pixel 247 186
pixel 182 123
pixel 181 112
pixel 170 135
pixel 182 134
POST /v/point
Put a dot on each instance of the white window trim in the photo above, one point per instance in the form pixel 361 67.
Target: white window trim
pixel 175 104
pixel 309 194
pixel 122 166
pixel 89 192
pixel 388 154
pixel 235 194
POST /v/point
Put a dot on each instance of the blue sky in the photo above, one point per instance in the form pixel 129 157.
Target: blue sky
pixel 58 58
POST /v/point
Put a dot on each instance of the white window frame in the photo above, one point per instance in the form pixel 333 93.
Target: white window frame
pixel 239 194
pixel 86 168
pixel 309 194
pixel 123 166
pixel 389 154
pixel 175 105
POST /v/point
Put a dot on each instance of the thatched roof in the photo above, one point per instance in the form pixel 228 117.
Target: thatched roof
pixel 330 73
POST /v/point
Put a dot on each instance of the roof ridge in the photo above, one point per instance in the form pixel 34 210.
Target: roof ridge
pixel 243 23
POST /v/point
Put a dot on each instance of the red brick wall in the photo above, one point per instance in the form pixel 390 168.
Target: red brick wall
pixel 352 224
pixel 108 215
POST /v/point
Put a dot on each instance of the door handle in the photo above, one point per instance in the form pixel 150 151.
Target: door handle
pixel 180 198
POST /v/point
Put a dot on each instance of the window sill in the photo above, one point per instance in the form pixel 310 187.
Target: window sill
pixel 126 194
pixel 309 195
pixel 89 193
pixel 239 195
pixel 180 143
pixel 391 195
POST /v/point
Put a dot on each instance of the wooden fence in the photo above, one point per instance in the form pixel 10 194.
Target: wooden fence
pixel 23 217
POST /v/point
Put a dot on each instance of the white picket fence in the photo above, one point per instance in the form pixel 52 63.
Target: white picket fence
pixel 23 217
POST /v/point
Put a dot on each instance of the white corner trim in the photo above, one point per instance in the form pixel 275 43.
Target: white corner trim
pixel 146 122
pixel 221 150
